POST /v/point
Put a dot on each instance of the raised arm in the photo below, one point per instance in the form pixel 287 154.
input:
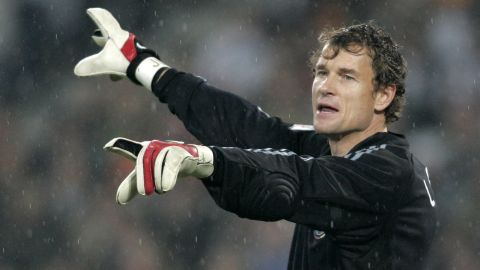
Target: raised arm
pixel 214 116
pixel 217 117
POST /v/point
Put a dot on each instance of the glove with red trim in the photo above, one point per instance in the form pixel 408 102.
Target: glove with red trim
pixel 120 48
pixel 158 164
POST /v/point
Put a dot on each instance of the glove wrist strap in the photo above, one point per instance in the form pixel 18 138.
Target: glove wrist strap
pixel 147 69
pixel 143 68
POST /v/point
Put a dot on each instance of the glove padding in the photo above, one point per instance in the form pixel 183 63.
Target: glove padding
pixel 120 48
pixel 158 164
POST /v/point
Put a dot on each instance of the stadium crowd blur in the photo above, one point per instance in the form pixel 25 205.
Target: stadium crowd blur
pixel 58 186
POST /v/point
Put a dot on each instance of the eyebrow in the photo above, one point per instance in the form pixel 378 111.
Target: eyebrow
pixel 348 71
pixel 341 70
pixel 319 66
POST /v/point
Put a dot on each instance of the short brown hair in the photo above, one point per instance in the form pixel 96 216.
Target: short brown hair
pixel 388 64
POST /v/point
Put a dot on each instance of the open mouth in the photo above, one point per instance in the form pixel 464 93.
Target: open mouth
pixel 324 108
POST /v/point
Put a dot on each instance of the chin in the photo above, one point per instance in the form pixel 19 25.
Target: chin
pixel 321 129
pixel 327 126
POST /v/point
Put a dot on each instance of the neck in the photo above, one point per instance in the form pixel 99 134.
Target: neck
pixel 340 145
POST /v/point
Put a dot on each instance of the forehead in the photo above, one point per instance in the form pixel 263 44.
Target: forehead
pixel 355 57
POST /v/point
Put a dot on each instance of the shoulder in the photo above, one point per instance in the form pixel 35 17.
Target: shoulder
pixel 308 141
pixel 384 154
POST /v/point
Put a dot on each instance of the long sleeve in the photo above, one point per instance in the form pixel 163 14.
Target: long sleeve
pixel 322 193
pixel 217 117
pixel 371 209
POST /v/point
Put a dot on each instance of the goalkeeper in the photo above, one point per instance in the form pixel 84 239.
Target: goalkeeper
pixel 358 197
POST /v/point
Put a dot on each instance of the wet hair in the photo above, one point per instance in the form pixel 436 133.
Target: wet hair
pixel 388 64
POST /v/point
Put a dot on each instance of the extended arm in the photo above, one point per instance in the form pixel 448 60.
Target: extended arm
pixel 267 184
pixel 317 192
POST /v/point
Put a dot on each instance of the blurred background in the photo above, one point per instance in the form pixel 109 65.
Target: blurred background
pixel 57 204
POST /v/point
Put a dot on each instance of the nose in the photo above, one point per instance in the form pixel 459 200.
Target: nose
pixel 324 86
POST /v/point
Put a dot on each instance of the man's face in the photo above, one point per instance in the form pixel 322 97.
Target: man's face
pixel 342 92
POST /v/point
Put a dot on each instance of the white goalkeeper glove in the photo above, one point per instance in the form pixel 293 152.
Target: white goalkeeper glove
pixel 158 164
pixel 120 48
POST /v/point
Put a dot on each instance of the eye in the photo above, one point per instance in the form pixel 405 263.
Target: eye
pixel 348 77
pixel 320 73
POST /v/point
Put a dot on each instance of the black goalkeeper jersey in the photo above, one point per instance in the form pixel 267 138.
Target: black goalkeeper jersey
pixel 371 209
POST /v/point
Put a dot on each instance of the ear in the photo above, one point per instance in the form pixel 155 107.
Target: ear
pixel 384 96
